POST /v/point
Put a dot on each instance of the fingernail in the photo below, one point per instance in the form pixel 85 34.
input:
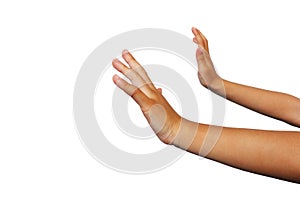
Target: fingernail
pixel 116 78
pixel 125 51
pixel 114 61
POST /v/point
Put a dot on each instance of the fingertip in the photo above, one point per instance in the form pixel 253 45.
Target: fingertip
pixel 114 60
pixel 125 51
pixel 125 54
pixel 116 79
pixel 194 31
pixel 159 90
pixel 116 64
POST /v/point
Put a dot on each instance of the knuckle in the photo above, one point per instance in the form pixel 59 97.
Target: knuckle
pixel 135 93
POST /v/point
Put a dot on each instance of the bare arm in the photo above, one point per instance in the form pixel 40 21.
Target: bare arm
pixel 271 153
pixel 277 105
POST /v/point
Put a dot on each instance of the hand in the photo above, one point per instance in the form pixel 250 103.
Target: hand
pixel 206 71
pixel 160 115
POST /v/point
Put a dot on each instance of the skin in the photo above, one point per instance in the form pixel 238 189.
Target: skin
pixel 270 153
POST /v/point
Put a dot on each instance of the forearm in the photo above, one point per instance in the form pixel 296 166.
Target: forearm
pixel 271 153
pixel 274 104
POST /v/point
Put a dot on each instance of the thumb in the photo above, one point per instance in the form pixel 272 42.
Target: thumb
pixel 159 90
pixel 200 55
pixel 203 57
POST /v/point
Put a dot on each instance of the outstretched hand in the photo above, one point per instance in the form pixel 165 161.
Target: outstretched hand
pixel 206 71
pixel 160 115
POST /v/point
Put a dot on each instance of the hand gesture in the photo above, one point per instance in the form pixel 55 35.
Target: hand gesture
pixel 160 115
pixel 206 71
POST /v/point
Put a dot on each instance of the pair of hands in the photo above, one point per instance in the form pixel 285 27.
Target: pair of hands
pixel 162 118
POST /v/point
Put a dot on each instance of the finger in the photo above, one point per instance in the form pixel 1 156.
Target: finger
pixel 124 85
pixel 207 48
pixel 205 41
pixel 139 97
pixel 159 90
pixel 130 59
pixel 135 78
pixel 137 67
pixel 198 32
pixel 194 30
pixel 202 57
pixel 200 38
pixel 195 40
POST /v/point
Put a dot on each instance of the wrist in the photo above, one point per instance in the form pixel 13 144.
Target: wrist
pixel 218 86
pixel 169 132
pixel 175 129
pixel 185 134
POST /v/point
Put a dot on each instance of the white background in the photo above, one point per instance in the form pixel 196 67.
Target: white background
pixel 42 47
